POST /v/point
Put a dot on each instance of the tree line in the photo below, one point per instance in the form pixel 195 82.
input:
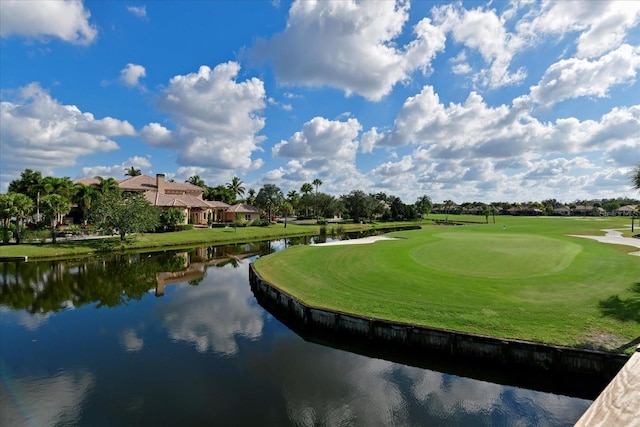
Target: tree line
pixel 45 201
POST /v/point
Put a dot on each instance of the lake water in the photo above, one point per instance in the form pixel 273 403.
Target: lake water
pixel 179 339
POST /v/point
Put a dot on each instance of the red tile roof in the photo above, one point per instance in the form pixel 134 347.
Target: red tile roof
pixel 145 182
pixel 240 208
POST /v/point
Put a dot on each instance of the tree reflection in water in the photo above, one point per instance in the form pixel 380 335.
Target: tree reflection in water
pixel 50 286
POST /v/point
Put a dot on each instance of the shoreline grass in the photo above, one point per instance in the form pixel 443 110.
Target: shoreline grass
pixel 521 278
pixel 161 241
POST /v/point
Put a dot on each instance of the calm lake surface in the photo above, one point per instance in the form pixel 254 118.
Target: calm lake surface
pixel 177 338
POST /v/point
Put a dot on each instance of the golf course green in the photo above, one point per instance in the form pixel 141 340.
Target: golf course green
pixel 520 278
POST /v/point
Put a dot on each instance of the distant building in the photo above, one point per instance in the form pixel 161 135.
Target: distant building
pixel 183 196
pixel 627 210
pixel 246 212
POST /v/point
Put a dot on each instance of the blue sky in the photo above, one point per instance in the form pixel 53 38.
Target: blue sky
pixel 468 101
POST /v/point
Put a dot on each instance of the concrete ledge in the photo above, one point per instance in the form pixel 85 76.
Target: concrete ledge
pixel 590 368
pixel 13 258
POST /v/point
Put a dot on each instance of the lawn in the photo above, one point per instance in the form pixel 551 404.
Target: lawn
pixel 521 278
pixel 161 241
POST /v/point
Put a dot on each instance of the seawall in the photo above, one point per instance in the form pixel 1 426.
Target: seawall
pixel 587 371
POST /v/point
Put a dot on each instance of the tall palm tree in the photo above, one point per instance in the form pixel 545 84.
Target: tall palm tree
pixel 306 189
pixel 448 204
pixel 635 177
pixel 251 196
pixel 317 182
pixel 294 198
pixel 132 171
pixel 236 186
pixel 196 180
pixel 493 211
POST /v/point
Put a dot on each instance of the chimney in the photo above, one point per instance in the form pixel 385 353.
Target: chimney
pixel 160 183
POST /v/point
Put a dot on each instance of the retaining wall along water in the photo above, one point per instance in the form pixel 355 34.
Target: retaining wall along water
pixel 597 367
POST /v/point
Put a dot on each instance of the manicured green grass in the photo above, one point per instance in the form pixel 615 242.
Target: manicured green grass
pixel 160 241
pixel 527 281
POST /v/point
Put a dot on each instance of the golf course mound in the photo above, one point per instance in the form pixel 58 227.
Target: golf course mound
pixel 496 255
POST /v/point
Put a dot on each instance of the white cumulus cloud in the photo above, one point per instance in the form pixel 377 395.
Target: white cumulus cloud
pixel 575 77
pixel 217 119
pixel 131 74
pixel 39 132
pixel 350 46
pixel 484 31
pixel 602 25
pixel 67 20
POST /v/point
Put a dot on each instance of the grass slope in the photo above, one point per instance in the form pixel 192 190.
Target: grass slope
pixel 160 241
pixel 527 281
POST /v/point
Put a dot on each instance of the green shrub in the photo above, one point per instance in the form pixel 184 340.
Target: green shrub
pixel 35 236
pixel 184 227
pixel 260 223
pixel 6 233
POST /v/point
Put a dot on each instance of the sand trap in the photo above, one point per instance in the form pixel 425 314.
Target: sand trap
pixel 361 241
pixel 614 237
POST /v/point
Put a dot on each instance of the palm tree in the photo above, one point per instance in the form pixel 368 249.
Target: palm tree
pixel 306 189
pixel 424 205
pixel 269 197
pixel 493 211
pixel 447 205
pixel 635 177
pixel 83 197
pixel 23 207
pixel 132 171
pixel 251 196
pixel 317 182
pixel 486 212
pixel 236 186
pixel 196 180
pixel 285 209
pixel 55 206
pixel 61 186
pixel 107 185
pixel 294 198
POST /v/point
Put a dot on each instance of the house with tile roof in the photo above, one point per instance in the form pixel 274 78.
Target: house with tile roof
pixel 627 210
pixel 246 212
pixel 184 196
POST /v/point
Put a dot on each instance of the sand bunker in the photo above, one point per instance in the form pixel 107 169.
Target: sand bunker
pixel 614 237
pixel 361 241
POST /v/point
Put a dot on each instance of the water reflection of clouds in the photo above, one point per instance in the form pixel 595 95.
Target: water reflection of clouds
pixel 214 314
pixel 377 392
pixel 32 401
pixel 29 321
pixel 131 341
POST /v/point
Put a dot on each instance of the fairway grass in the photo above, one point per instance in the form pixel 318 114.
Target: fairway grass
pixel 521 278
